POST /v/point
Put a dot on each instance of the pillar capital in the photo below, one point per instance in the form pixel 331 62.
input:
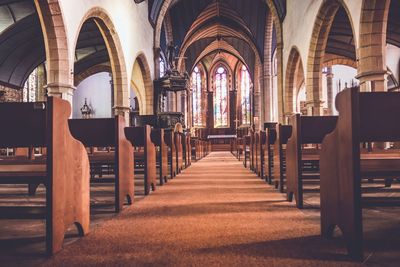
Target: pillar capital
pixel 123 111
pixel 373 81
pixel 64 91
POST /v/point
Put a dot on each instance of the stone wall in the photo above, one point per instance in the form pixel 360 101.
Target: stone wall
pixel 10 94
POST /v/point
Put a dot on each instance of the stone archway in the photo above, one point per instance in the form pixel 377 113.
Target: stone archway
pixel 115 52
pixel 59 67
pixel 316 55
pixel 144 85
pixel 372 54
pixel 294 70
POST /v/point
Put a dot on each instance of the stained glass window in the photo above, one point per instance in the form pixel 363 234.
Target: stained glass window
pixel 245 95
pixel 196 97
pixel 30 87
pixel 221 98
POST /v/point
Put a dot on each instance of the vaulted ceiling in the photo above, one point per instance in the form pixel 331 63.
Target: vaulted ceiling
pixel 21 42
pixel 195 25
pixel 341 39
pixel 393 29
pixel 22 46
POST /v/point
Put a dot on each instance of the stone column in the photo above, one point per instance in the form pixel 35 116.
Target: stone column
pixel 315 108
pixel 329 81
pixel 124 111
pixel 64 91
pixel 373 81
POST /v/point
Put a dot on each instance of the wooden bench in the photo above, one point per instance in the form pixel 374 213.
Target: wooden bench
pixel 260 146
pixel 144 155
pixel 157 137
pixel 252 151
pixel 64 171
pixel 303 163
pixel 170 142
pixel 108 133
pixel 363 117
pixel 186 149
pixel 179 151
pixel 239 147
pixel 270 138
pixel 246 150
pixel 283 132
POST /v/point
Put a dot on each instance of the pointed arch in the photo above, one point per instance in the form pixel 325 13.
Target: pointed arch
pixel 59 67
pixel 294 70
pixel 115 53
pixel 143 85
pixel 316 54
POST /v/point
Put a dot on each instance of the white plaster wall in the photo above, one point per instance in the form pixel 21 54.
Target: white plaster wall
pixel 393 60
pixel 97 90
pixel 131 23
pixel 299 23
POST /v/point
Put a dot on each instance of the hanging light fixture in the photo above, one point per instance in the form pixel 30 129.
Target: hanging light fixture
pixel 86 110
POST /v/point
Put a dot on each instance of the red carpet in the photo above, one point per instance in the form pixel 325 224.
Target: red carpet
pixel 216 213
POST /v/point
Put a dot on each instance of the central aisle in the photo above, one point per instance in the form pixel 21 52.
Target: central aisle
pixel 217 213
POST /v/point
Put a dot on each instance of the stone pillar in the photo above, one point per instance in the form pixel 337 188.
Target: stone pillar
pixel 373 81
pixel 157 52
pixel 184 107
pixel 64 91
pixel 315 108
pixel 210 109
pixel 329 81
pixel 124 111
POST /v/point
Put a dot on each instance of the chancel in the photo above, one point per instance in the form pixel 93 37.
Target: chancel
pixel 199 132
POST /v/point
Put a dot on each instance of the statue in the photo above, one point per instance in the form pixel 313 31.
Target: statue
pixel 171 55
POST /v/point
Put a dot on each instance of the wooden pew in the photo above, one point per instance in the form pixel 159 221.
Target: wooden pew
pixel 283 132
pixel 109 133
pixel 363 117
pixel 169 139
pixel 189 149
pixel 186 150
pixel 179 151
pixel 246 150
pixel 252 150
pixel 256 154
pixel 239 147
pixel 194 144
pixel 261 147
pixel 157 137
pixel 144 156
pixel 64 172
pixel 303 163
pixel 270 138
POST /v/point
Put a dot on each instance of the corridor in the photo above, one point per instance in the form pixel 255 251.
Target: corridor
pixel 217 213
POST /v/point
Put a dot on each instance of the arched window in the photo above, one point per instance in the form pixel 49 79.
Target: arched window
pixel 221 98
pixel 196 97
pixel 30 87
pixel 245 95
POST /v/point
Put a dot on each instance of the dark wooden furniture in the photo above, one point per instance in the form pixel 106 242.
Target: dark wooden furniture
pixel 169 139
pixel 108 133
pixel 157 137
pixel 144 155
pixel 283 132
pixel 179 151
pixel 64 171
pixel 303 163
pixel 269 152
pixel 363 117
